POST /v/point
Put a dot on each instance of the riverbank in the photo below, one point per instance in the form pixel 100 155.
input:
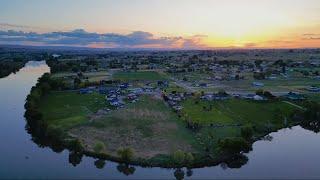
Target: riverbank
pixel 133 134
pixel 8 67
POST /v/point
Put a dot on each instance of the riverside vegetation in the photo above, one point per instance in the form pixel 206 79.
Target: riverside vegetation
pixel 149 133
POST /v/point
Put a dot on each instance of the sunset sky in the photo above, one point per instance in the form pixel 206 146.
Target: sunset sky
pixel 185 24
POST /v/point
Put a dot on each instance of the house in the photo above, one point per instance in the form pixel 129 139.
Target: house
pixel 258 98
pixel 257 84
pixel 108 90
pixel 248 96
pixel 272 77
pixel 136 90
pixel 172 103
pixel 163 83
pixel 203 85
pixel 175 97
pixel 55 55
pixel 218 96
pixel 115 102
pixel 132 96
pixel 177 108
pixel 294 96
pixel 313 89
pixel 102 90
pixel 124 85
pixel 148 88
pixel 85 91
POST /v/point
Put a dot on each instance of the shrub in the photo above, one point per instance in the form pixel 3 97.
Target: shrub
pixel 126 154
pixel 98 147
pixel 179 157
pixel 76 145
pixel 189 159
pixel 234 145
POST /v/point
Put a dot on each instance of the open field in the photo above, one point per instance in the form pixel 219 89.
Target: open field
pixel 151 128
pixel 148 126
pixel 228 116
pixel 278 85
pixel 140 75
pixel 69 109
pixel 236 111
pixel 92 76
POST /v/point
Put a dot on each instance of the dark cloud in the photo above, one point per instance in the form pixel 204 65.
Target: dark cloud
pixel 80 37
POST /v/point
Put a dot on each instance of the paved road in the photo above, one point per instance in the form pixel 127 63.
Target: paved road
pixel 190 88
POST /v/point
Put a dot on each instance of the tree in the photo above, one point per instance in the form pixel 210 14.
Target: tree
pixel 222 92
pixel 98 147
pixel 45 87
pixel 247 132
pixel 259 76
pixel 259 92
pixel 76 146
pixel 189 159
pixel 234 145
pixel 179 157
pixel 268 94
pixel 126 154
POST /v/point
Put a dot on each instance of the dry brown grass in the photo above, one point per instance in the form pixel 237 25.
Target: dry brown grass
pixel 136 113
pixel 148 127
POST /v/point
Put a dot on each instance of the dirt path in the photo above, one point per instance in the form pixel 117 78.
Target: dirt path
pixel 295 105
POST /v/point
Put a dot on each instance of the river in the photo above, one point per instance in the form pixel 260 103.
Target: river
pixel 292 153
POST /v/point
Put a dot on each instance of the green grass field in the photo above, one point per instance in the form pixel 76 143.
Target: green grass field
pixel 235 111
pixel 314 97
pixel 69 109
pixel 227 117
pixel 140 75
pixel 231 114
pixel 150 127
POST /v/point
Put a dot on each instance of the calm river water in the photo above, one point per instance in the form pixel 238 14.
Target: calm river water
pixel 292 153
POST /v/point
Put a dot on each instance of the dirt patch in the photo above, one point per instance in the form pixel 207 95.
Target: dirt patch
pixel 99 114
pixel 136 113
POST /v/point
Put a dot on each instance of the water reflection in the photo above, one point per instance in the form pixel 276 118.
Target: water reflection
pixel 100 163
pixel 292 153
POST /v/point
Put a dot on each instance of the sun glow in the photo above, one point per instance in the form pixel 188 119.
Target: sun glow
pixel 210 23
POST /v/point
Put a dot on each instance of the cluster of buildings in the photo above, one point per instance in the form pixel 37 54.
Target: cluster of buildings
pixel 215 96
pixel 174 99
pixel 117 95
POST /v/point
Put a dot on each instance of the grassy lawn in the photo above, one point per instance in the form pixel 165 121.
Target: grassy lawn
pixel 227 115
pixel 314 97
pixel 140 75
pixel 292 84
pixel 69 109
pixel 234 111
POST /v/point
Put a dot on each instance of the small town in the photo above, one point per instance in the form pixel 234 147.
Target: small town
pixel 194 105
pixel 160 89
